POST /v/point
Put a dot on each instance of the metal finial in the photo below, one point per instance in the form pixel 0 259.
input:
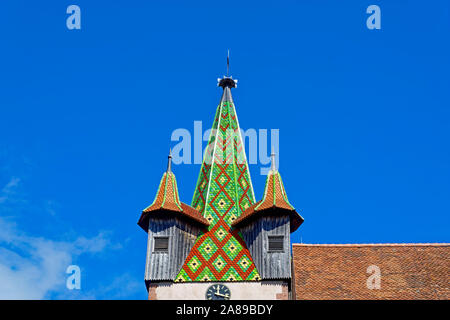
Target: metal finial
pixel 227 81
pixel 169 161
pixel 273 167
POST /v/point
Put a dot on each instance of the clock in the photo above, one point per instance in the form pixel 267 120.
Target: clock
pixel 218 292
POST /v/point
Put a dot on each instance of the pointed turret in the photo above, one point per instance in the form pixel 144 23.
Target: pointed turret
pixel 167 201
pixel 274 202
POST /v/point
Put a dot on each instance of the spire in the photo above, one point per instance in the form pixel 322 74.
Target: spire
pixel 223 191
pixel 275 197
pixel 224 150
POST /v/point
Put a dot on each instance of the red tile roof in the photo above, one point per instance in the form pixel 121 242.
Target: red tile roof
pixel 340 271
pixel 274 202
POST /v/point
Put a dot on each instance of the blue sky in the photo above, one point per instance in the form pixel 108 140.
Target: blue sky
pixel 87 115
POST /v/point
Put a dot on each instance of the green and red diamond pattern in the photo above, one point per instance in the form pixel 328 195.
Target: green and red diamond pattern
pixel 222 193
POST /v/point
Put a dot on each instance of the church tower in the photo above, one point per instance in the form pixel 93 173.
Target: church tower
pixel 226 245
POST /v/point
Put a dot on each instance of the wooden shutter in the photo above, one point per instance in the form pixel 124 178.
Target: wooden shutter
pixel 161 244
pixel 276 243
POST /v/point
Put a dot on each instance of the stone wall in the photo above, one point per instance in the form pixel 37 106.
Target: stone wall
pixel 265 290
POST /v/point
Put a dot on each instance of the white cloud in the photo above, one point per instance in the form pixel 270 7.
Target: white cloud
pixel 34 267
pixel 9 190
pixel 120 287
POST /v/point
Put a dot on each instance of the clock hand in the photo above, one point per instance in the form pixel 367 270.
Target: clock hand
pixel 217 291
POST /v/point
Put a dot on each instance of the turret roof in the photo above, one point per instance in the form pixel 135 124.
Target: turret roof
pixel 275 197
pixel 168 201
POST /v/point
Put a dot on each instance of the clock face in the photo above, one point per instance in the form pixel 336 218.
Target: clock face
pixel 218 292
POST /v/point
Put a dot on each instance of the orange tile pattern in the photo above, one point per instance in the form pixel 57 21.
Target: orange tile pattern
pixel 167 200
pixel 275 197
pixel 167 195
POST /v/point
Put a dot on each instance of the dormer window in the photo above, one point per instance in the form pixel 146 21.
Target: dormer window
pixel 161 244
pixel 276 243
